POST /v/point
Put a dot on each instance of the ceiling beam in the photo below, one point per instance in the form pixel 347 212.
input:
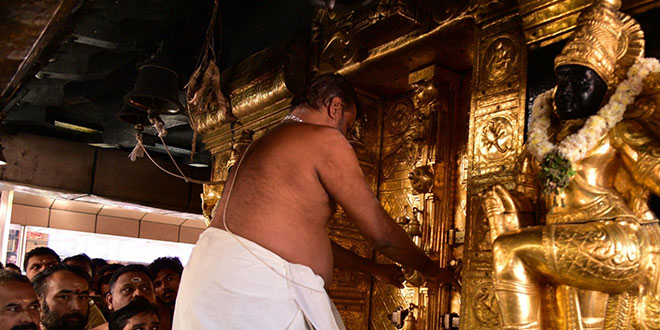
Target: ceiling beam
pixel 29 26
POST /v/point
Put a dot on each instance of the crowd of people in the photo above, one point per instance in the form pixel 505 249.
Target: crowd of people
pixel 82 293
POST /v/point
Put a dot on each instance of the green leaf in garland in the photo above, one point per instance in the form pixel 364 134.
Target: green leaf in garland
pixel 556 172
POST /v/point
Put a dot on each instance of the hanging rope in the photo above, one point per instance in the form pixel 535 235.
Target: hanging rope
pixel 204 97
pixel 181 176
pixel 203 91
pixel 138 151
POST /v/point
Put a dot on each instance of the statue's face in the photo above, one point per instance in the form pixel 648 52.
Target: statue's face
pixel 580 92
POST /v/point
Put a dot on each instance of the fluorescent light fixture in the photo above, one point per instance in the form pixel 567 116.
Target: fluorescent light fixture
pixel 74 127
pixel 3 160
pixel 103 145
pixel 198 165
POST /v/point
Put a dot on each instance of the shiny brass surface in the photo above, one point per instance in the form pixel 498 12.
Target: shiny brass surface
pixel 546 22
pixel 497 120
pixel 415 117
pixel 591 266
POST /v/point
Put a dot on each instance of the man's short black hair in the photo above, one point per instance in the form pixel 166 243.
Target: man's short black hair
pixel 105 274
pixel 12 266
pixel 133 268
pixel 97 263
pixel 7 276
pixel 137 306
pixel 40 251
pixel 39 280
pixel 171 263
pixel 80 258
pixel 321 89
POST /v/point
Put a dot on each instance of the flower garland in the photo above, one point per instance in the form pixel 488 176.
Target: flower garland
pixel 556 160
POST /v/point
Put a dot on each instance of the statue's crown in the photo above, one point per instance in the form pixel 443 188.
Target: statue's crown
pixel 605 40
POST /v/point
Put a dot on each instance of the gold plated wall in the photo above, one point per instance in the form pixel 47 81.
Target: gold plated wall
pixel 497 122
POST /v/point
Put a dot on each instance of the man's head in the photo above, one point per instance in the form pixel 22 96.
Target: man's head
pixel 82 261
pixel 138 314
pixel 105 274
pixel 13 268
pixel 38 260
pixel 128 283
pixel 579 93
pixel 332 94
pixel 64 294
pixel 19 305
pixel 167 275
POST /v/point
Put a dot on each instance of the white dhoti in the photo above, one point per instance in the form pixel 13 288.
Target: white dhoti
pixel 224 286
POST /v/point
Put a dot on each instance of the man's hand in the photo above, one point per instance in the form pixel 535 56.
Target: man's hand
pixel 442 276
pixel 389 273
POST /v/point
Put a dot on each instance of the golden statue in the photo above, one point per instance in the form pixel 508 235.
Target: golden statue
pixel 595 263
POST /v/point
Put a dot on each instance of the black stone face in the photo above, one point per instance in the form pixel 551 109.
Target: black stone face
pixel 580 92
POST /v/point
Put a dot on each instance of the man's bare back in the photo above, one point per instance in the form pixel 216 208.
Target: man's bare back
pixel 288 182
pixel 279 200
pixel 280 195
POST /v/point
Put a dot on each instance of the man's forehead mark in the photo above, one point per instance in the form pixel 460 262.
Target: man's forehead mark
pixel 136 279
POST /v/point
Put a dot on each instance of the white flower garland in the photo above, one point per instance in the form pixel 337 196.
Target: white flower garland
pixel 575 146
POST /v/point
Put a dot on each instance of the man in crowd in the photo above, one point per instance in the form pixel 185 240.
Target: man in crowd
pixel 167 274
pixel 13 268
pixel 19 305
pixel 128 283
pixel 138 314
pixel 64 295
pixel 267 252
pixel 102 286
pixel 82 261
pixel 38 260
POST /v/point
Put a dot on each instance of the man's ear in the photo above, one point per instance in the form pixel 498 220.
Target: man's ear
pixel 108 301
pixel 335 108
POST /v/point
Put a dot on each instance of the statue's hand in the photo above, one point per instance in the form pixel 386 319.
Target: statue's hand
pixel 502 210
pixel 498 200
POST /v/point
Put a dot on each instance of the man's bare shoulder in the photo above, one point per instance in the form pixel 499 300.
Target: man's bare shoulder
pixel 315 137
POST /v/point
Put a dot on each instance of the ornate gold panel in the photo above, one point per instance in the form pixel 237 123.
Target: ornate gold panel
pixel 419 157
pixel 545 22
pixel 497 121
pixel 481 313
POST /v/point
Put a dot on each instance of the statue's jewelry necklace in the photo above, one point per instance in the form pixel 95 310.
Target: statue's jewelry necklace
pixel 557 159
pixel 293 117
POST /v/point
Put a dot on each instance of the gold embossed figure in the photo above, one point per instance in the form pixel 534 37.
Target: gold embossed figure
pixel 595 264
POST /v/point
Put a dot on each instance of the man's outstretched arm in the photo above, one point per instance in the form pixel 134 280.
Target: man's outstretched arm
pixel 386 273
pixel 341 176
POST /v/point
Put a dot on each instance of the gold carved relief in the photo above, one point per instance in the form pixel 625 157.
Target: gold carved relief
pixel 496 138
pixel 332 36
pixel 500 58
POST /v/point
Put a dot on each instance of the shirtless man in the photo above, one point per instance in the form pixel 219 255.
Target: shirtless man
pixel 276 206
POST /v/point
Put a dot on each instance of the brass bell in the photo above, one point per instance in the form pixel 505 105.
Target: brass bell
pixel 156 89
pixel 133 116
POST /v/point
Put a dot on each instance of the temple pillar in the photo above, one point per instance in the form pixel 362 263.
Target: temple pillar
pixel 496 137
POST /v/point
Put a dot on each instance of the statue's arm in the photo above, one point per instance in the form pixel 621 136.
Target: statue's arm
pixel 640 152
